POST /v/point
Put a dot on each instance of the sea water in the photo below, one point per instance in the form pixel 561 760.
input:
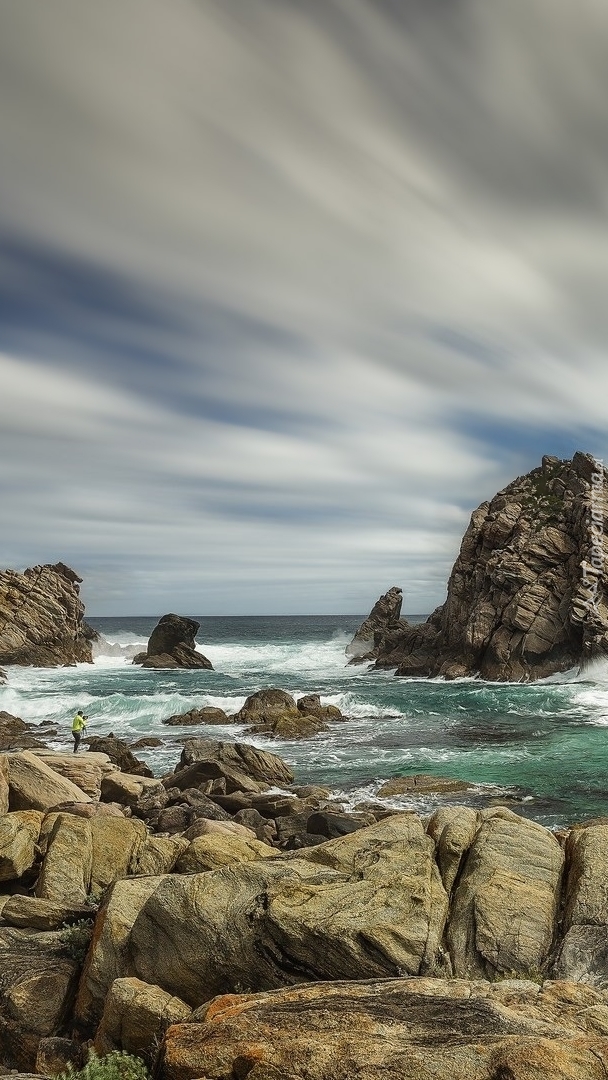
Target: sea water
pixel 539 748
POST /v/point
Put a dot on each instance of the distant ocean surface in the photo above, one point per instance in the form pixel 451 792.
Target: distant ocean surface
pixel 540 748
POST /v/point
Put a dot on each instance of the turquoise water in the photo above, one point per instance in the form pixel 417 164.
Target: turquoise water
pixel 542 748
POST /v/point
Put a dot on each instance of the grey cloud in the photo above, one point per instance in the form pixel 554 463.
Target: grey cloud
pixel 289 275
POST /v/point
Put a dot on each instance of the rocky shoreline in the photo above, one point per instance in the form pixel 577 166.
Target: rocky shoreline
pixel 196 918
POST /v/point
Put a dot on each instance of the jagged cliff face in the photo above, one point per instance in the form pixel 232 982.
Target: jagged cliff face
pixel 527 593
pixel 41 618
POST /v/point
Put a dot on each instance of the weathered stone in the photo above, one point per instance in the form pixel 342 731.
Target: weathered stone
pixel 85 770
pixel 118 753
pixel 259 765
pixel 206 715
pixel 66 869
pixel 39 914
pixel 368 905
pixel 453 829
pixel 422 784
pixel 405 1029
pixel 126 788
pixel 136 1016
pixel 109 959
pixel 172 645
pixel 34 785
pixel 583 953
pixel 159 854
pixel 56 1055
pixel 333 823
pixel 384 615
pixel 41 618
pixel 37 983
pixel 117 842
pixel 4 789
pixel 211 851
pixel 17 846
pixel 205 827
pixel 505 903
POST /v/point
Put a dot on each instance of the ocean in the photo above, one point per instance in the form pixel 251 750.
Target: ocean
pixel 540 748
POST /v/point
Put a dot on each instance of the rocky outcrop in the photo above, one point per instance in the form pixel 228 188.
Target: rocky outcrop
pixel 527 594
pixel 383 619
pixel 41 618
pixel 405 1029
pixel 172 645
pixel 283 898
pixel 276 713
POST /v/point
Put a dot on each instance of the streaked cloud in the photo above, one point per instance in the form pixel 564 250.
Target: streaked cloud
pixel 286 290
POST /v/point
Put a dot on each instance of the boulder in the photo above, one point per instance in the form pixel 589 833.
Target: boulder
pixel 119 753
pixel 259 765
pixel 525 595
pixel 312 705
pixel 18 837
pixel 37 983
pixel 85 770
pixel 213 850
pixel 65 876
pixel 39 914
pixel 368 905
pixel 583 952
pixel 504 908
pixel 453 829
pixel 406 1029
pixel 117 842
pixel 127 789
pixel 110 957
pixel 15 734
pixel 33 785
pixel 333 823
pixel 172 645
pixel 158 855
pixel 56 1055
pixel 41 618
pixel 136 1016
pixel 204 827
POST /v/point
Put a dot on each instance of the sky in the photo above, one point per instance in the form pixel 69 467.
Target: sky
pixel 289 287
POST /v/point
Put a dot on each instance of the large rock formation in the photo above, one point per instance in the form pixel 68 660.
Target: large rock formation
pixel 172 645
pixel 41 618
pixel 527 593
pixel 405 1029
pixel 472 946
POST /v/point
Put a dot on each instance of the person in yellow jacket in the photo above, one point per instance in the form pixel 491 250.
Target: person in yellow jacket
pixel 79 723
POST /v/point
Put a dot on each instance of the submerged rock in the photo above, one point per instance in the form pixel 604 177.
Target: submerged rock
pixel 527 593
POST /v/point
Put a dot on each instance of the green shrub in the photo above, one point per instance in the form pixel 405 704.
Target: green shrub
pixel 76 938
pixel 114 1066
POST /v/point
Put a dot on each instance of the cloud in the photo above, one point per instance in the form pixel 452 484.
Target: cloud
pixel 286 290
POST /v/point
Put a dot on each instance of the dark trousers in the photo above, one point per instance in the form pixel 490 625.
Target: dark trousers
pixel 76 735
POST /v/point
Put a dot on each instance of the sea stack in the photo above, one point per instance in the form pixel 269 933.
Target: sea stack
pixel 41 618
pixel 527 594
pixel 172 645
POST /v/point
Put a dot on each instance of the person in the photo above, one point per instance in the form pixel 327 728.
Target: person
pixel 79 723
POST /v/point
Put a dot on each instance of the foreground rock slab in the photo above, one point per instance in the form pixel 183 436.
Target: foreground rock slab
pixel 406 1029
